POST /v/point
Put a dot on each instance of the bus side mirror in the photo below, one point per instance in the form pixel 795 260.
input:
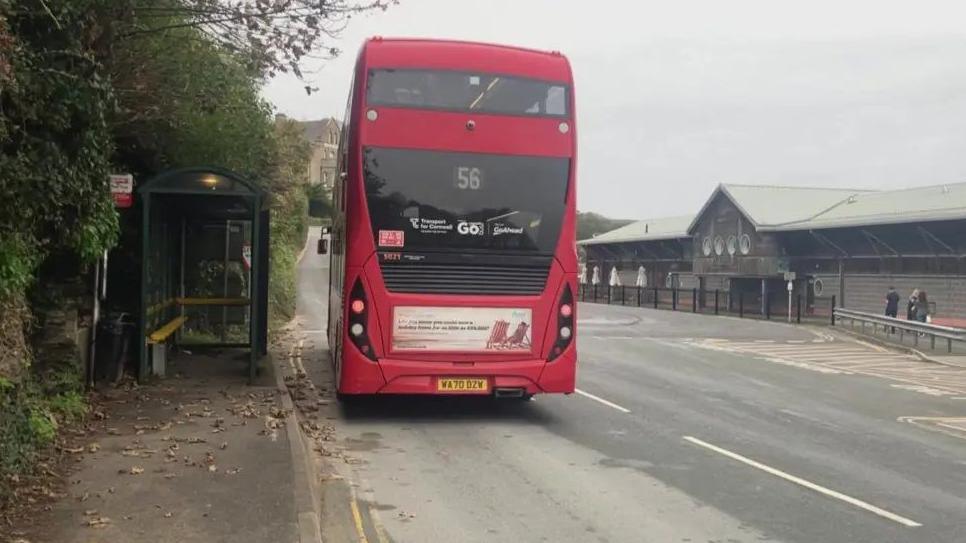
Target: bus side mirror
pixel 323 247
pixel 325 230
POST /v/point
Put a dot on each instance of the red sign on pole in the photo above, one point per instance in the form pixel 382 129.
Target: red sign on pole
pixel 122 188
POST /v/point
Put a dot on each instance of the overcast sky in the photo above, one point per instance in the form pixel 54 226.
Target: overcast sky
pixel 674 97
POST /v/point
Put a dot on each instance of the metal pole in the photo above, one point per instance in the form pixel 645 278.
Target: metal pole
pixel 639 296
pixel 595 292
pixel 741 305
pixel 694 300
pixel 789 302
pixel 145 257
pixel 674 299
pixel 715 301
pixel 95 316
pixel 254 322
pixel 798 309
pixel 608 294
pixel 767 305
pixel 622 295
pixel 181 289
pixel 224 289
pixel 655 297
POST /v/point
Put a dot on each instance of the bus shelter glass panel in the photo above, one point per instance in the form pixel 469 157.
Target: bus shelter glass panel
pixel 217 282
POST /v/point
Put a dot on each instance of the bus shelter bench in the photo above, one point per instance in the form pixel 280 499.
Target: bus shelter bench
pixel 158 341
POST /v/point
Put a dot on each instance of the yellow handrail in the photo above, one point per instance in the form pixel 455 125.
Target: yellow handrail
pixel 159 306
pixel 214 301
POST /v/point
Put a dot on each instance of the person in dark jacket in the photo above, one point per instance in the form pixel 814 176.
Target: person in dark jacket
pixel 892 304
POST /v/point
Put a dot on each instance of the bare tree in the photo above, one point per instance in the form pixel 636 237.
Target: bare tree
pixel 276 35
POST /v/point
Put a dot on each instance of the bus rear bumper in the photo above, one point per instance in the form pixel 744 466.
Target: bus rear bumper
pixel 535 376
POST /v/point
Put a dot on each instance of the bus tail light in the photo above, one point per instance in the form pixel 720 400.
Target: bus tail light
pixel 359 321
pixel 565 323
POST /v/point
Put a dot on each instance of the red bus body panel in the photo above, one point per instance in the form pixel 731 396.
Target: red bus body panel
pixel 416 373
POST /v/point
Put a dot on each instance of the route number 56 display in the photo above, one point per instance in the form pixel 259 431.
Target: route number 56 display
pixel 468 177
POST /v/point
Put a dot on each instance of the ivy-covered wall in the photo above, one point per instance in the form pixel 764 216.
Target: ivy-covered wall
pixel 93 87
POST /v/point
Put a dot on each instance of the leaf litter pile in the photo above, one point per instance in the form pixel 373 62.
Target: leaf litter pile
pixel 186 432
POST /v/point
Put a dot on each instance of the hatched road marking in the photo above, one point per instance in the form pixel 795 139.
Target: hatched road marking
pixel 852 357
pixel 601 400
pixel 807 484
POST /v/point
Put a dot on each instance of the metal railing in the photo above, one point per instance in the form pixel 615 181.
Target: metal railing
pixel 892 325
pixel 716 302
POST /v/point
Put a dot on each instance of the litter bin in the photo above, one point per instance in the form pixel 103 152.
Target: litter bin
pixel 112 347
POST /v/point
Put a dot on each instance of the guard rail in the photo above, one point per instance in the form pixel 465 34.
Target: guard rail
pixel 903 326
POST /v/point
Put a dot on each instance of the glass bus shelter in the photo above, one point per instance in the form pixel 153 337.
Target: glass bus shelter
pixel 204 266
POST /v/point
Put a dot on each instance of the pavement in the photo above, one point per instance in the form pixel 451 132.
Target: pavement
pixel 198 457
pixel 684 428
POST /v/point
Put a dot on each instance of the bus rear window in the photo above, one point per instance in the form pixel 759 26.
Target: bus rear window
pixel 446 201
pixel 461 91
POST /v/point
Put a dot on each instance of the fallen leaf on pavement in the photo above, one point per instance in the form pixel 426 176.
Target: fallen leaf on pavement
pixel 98 522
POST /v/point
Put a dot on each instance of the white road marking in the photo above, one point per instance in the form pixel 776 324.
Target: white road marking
pixel 807 484
pixel 601 400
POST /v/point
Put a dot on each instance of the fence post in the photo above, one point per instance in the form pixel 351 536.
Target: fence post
pixel 741 305
pixel 715 301
pixel 655 297
pixel 798 309
pixel 694 300
pixel 608 294
pixel 674 299
pixel 767 305
pixel 833 310
pixel 595 293
pixel 622 295
pixel 638 296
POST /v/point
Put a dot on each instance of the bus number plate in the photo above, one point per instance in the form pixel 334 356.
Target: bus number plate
pixel 462 385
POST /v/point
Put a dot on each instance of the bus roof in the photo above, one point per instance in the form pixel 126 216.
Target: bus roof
pixel 462 55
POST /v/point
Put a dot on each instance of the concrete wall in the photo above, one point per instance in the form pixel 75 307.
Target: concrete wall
pixel 866 292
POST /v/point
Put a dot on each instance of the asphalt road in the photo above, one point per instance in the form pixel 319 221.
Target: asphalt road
pixel 684 432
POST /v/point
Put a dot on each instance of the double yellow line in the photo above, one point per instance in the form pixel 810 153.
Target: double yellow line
pixel 377 526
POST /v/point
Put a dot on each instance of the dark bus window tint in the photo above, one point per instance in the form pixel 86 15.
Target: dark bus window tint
pixel 441 200
pixel 487 93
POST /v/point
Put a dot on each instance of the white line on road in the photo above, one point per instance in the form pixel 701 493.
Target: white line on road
pixel 807 484
pixel 601 400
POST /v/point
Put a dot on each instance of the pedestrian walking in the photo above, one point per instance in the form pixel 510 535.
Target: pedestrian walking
pixel 892 304
pixel 911 305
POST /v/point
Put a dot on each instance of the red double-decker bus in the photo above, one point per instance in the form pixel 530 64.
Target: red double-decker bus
pixel 453 260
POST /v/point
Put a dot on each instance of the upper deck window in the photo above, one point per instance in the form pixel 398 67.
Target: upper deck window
pixel 463 91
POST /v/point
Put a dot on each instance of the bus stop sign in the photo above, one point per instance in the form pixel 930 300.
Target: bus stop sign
pixel 122 188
